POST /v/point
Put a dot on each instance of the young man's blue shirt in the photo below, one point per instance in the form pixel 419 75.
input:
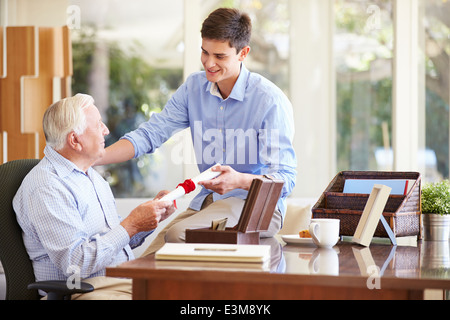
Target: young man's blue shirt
pixel 251 131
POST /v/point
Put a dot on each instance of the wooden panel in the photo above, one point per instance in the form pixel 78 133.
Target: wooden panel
pixel 197 290
pixel 38 92
pixel 1 52
pixel 66 88
pixel 36 59
pixel 20 40
pixel 67 52
pixel 1 75
pixel 20 61
pixel 38 96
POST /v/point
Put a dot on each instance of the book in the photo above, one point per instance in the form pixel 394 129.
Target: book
pixel 214 252
pixel 371 215
pixel 398 186
pixel 212 265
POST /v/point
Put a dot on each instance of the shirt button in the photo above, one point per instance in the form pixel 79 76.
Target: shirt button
pixel 221 108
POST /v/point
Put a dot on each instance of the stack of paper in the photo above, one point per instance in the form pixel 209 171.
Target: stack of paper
pixel 212 265
pixel 214 252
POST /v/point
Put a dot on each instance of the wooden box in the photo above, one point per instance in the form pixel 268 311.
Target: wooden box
pixel 402 212
pixel 256 216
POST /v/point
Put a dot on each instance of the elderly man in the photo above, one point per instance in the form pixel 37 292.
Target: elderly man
pixel 67 210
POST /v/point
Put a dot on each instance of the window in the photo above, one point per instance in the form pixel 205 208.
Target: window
pixel 364 53
pixel 131 68
pixel 269 54
pixel 334 60
pixel 363 48
pixel 435 41
pixel 129 57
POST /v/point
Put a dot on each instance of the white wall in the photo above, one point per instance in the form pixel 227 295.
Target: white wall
pixel 49 13
pixel 312 84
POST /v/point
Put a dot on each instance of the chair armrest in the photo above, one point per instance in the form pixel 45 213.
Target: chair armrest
pixel 58 290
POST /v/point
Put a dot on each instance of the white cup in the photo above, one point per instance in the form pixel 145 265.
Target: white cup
pixel 324 232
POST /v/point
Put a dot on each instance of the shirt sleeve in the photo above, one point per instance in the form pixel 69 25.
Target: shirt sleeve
pixel 161 126
pixel 64 234
pixel 275 144
pixel 138 239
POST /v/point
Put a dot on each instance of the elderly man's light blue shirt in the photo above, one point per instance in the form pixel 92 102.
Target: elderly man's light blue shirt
pixel 251 130
pixel 69 221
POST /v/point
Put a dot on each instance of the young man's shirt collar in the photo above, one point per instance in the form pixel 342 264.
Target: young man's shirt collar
pixel 238 91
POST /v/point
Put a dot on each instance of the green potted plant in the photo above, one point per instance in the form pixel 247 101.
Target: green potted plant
pixel 436 211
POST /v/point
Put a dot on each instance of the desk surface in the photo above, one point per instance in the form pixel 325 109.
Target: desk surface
pixel 413 268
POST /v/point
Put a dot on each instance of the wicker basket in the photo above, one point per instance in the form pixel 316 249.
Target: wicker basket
pixel 402 211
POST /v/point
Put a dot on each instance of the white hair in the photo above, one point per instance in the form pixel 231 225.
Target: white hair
pixel 63 117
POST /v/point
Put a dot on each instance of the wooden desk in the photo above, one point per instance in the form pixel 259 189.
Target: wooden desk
pixel 301 272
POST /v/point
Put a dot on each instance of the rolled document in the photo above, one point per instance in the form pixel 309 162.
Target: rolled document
pixel 190 184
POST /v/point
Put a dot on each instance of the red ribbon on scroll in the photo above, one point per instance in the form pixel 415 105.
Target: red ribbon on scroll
pixel 188 186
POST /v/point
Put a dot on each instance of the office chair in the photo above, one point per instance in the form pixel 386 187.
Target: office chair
pixel 20 280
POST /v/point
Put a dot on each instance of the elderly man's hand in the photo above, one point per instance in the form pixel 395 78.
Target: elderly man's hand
pixel 148 215
pixel 171 209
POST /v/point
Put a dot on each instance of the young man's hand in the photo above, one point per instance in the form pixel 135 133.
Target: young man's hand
pixel 229 179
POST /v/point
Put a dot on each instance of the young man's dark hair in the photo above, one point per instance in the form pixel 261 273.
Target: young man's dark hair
pixel 230 25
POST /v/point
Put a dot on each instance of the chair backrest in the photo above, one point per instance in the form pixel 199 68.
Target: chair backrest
pixel 13 255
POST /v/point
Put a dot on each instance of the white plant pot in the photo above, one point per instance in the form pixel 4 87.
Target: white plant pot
pixel 436 227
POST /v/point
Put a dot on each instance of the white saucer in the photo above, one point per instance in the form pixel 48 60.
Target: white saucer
pixel 295 239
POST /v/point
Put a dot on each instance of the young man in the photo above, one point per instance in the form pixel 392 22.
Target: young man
pixel 237 118
pixel 67 210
